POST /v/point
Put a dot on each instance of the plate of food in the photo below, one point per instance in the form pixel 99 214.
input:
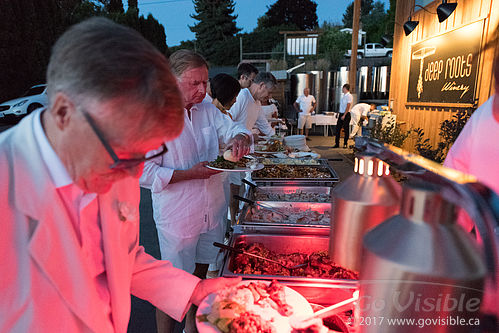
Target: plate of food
pixel 270 148
pixel 251 306
pixel 246 163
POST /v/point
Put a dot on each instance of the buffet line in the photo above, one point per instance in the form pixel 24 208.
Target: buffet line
pixel 286 218
pixel 300 229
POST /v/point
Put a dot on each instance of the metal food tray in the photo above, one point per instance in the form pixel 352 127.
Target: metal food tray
pixel 316 290
pixel 307 161
pixel 330 181
pixel 326 190
pixel 246 218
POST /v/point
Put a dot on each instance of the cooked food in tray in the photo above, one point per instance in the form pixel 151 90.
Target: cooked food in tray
pixel 251 306
pixel 292 171
pixel 319 264
pixel 290 161
pixel 299 195
pixel 295 215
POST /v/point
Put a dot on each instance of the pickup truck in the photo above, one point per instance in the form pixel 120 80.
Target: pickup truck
pixel 371 50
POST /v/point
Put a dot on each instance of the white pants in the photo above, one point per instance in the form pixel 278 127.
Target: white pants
pixel 355 130
pixel 184 253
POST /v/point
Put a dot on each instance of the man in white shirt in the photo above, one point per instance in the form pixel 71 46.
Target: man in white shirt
pixel 70 254
pixel 344 116
pixel 247 111
pixel 188 203
pixel 305 105
pixel 359 116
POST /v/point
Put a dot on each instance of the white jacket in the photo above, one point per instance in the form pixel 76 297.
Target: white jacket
pixel 44 281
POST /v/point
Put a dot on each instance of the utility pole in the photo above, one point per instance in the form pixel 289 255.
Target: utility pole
pixel 352 77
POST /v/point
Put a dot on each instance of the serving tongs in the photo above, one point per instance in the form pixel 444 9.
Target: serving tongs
pixel 235 250
pixel 252 202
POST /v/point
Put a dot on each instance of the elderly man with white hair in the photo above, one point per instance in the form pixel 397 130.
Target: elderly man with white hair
pixel 70 254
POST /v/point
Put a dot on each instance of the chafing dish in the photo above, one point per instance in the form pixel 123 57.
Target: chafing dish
pixel 329 177
pixel 291 161
pixel 286 244
pixel 317 214
pixel 291 193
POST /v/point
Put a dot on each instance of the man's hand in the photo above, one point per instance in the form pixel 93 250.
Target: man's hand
pixel 343 117
pixel 200 171
pixel 208 286
pixel 240 146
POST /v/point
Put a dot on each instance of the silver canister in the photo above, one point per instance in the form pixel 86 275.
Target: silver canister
pixel 420 271
pixel 361 202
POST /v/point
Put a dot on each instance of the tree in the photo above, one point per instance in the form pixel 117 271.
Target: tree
pixel 215 29
pixel 374 24
pixel 333 44
pixel 300 13
pixel 365 8
pixel 132 4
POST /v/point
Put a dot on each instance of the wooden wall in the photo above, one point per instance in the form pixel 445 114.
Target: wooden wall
pixel 467 11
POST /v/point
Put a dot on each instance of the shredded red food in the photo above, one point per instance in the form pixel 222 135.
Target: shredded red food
pixel 249 322
pixel 319 265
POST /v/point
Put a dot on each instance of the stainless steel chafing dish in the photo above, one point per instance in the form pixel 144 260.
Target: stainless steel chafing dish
pixel 291 193
pixel 324 166
pixel 319 209
pixel 286 244
pixel 291 161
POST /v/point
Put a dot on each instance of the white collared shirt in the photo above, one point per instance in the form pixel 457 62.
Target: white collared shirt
pixel 305 103
pixel 83 209
pixel 191 207
pixel 345 100
pixel 248 112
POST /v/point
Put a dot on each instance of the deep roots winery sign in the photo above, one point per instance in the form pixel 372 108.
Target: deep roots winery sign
pixel 444 68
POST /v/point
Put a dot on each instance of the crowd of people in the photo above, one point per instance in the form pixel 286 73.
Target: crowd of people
pixel 72 171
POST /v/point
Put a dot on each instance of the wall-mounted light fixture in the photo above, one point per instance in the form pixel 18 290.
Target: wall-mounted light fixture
pixel 409 26
pixel 444 10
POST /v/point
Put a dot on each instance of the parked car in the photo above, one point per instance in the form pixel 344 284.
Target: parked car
pixel 372 50
pixel 34 98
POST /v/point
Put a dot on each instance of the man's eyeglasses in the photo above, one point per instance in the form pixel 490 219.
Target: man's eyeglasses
pixel 119 163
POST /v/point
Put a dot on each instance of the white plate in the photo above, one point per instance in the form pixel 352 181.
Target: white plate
pixel 258 166
pixel 299 304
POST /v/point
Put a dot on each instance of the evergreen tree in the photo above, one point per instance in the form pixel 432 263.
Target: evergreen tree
pixel 374 24
pixel 215 30
pixel 365 8
pixel 132 4
pixel 301 13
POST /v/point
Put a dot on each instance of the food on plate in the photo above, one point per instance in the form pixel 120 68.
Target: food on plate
pixel 271 146
pixel 319 263
pixel 222 163
pixel 228 156
pixel 291 171
pixel 295 215
pixel 299 195
pixel 250 307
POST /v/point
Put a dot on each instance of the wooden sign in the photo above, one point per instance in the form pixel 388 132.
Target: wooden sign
pixel 444 69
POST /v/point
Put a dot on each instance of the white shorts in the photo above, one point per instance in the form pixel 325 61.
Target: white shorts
pixel 304 120
pixel 184 253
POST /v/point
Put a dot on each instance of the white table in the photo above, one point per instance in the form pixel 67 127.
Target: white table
pixel 324 120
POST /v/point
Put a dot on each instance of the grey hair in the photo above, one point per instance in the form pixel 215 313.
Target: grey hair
pixel 267 78
pixel 184 59
pixel 100 60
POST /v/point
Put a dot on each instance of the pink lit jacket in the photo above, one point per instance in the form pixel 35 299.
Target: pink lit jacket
pixel 44 283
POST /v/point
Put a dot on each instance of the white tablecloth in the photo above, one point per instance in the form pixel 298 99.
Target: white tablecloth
pixel 324 120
